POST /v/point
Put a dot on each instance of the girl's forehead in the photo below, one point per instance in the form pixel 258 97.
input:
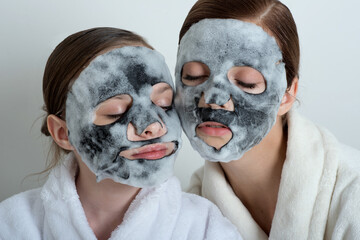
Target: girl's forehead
pixel 129 70
pixel 127 62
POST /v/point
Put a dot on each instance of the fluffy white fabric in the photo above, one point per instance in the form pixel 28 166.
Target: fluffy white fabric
pixel 319 189
pixel 55 212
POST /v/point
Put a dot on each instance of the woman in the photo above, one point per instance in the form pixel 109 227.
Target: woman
pixel 108 97
pixel 271 172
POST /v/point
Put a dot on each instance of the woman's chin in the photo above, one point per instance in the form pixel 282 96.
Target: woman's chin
pixel 214 141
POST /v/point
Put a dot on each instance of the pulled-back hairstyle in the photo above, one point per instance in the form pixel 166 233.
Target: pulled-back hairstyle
pixel 271 15
pixel 66 62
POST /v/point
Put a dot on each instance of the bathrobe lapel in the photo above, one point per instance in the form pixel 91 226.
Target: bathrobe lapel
pixel 307 181
pixel 218 190
pixel 306 186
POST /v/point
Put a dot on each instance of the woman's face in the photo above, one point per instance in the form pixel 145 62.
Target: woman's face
pixel 245 78
pixel 119 112
pixel 230 81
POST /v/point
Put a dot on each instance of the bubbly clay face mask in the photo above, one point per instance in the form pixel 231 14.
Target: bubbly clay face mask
pixel 221 45
pixel 127 70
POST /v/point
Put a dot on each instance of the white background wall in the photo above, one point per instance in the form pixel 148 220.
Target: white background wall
pixel 29 30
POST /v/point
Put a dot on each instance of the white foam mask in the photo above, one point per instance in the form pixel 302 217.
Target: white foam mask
pixel 128 70
pixel 222 44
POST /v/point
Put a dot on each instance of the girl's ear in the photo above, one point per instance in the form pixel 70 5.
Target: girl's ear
pixel 289 98
pixel 59 132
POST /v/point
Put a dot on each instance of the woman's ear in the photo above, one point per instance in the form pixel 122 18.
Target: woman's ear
pixel 289 98
pixel 59 132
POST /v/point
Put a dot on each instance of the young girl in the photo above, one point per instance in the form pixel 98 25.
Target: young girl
pixel 273 173
pixel 108 97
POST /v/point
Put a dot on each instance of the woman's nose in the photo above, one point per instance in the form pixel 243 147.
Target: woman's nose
pixel 153 130
pixel 229 105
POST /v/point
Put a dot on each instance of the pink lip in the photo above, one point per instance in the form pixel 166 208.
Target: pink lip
pixel 149 152
pixel 213 129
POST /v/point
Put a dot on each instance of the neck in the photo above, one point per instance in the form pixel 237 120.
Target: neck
pixel 105 203
pixel 255 178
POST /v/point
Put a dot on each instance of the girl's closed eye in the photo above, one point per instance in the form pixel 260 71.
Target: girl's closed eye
pixel 166 108
pixel 114 116
pixel 112 109
pixel 162 95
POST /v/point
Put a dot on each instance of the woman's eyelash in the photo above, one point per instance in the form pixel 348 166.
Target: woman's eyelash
pixel 194 78
pixel 246 85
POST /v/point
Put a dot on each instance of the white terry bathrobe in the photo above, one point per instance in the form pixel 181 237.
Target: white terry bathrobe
pixel 319 195
pixel 162 213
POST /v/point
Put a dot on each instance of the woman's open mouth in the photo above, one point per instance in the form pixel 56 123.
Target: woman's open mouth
pixel 149 152
pixel 213 129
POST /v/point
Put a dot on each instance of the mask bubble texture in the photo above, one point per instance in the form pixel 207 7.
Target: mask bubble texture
pixel 128 70
pixel 222 44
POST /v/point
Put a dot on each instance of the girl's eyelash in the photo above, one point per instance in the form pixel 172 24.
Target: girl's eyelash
pixel 166 108
pixel 115 116
pixel 246 85
pixel 194 78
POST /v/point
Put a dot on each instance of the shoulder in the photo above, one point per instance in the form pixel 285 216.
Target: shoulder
pixel 349 159
pixel 21 215
pixel 204 218
pixel 348 174
pixel 344 211
pixel 196 181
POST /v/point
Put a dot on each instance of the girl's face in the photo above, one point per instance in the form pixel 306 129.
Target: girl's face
pixel 230 81
pixel 114 108
pixel 118 113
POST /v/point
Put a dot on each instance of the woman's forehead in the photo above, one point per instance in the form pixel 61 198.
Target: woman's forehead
pixel 214 39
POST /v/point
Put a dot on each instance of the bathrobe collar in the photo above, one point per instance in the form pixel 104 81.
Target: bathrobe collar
pixel 65 215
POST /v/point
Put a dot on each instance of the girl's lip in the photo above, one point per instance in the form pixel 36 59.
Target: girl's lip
pixel 213 129
pixel 149 152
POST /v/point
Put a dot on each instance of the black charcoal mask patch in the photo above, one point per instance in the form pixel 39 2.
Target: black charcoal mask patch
pixel 222 44
pixel 128 70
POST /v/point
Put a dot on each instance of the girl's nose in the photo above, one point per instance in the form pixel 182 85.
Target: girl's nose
pixel 153 130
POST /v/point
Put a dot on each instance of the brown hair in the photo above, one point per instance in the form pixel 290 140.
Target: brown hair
pixel 66 62
pixel 272 15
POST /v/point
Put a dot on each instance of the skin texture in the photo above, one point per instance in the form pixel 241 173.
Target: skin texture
pixel 255 178
pixel 127 71
pixel 221 45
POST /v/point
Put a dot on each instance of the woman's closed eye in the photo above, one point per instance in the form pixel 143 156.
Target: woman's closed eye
pixel 245 85
pixel 195 73
pixel 194 78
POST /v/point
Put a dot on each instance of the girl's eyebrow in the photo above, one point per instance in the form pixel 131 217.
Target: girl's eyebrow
pixel 162 89
pixel 120 96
